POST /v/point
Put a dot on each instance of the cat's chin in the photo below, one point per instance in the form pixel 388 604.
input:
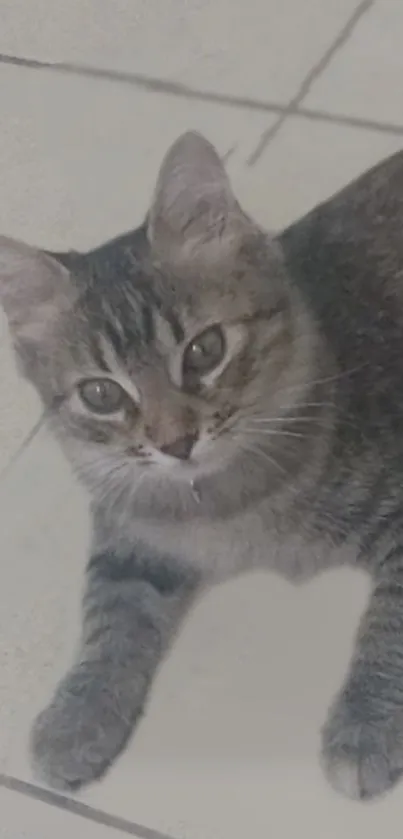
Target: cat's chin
pixel 188 471
pixel 186 478
pixel 115 479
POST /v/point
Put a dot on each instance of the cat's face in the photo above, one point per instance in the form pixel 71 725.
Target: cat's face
pixel 164 353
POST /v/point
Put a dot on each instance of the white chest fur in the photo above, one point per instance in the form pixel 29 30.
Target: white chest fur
pixel 221 549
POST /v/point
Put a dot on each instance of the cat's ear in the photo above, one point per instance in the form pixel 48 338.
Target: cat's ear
pixel 193 199
pixel 34 289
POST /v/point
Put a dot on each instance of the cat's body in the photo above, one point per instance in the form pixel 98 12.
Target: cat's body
pixel 231 403
pixel 346 484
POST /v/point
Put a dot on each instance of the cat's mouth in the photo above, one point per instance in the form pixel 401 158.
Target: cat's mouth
pixel 208 454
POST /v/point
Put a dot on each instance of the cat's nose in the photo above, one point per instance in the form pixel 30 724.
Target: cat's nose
pixel 181 447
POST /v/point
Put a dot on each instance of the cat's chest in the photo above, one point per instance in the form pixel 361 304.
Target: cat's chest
pixel 228 547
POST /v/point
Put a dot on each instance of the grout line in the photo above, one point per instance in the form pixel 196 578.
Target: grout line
pixel 169 88
pixel 343 119
pixel 78 808
pixel 22 447
pixel 148 83
pixel 306 84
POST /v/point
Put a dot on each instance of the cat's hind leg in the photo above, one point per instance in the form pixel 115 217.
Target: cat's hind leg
pixel 363 737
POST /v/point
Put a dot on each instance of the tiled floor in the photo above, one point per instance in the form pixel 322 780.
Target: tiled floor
pixel 303 96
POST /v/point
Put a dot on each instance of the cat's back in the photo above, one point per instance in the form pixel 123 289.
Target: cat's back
pixel 346 256
pixel 349 250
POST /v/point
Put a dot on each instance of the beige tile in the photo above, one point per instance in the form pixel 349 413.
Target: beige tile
pixel 79 157
pixel 364 78
pixel 233 724
pixel 259 49
pixel 232 730
pixel 229 745
pixel 20 408
pixel 27 818
pixel 232 727
pixel 228 748
pixel 43 532
pixel 78 161
pixel 306 163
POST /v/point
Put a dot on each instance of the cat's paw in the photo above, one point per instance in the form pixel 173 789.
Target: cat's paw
pixel 75 739
pixel 362 752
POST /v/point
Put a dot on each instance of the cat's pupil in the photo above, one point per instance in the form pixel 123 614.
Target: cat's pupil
pixel 102 396
pixel 205 352
pixel 197 353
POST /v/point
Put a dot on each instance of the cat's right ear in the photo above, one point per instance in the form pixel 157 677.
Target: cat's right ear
pixel 34 289
pixel 193 199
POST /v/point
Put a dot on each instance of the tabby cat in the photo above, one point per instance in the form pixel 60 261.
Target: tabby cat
pixel 231 401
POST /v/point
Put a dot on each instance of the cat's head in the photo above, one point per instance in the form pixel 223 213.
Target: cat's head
pixel 171 352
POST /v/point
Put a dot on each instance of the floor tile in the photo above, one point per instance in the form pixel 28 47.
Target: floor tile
pixel 231 733
pixel 78 162
pixel 256 49
pixel 306 163
pixel 20 408
pixel 232 728
pixel 229 745
pixel 26 818
pixel 79 157
pixel 43 534
pixel 364 78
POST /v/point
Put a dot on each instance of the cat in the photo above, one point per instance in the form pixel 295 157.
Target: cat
pixel 231 400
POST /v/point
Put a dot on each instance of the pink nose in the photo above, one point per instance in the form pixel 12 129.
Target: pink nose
pixel 181 447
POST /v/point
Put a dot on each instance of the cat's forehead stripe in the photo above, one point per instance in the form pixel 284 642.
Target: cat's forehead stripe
pixel 97 351
pixel 176 326
pixel 164 334
pixel 132 327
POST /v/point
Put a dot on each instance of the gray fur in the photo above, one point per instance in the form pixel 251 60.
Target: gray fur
pixel 298 465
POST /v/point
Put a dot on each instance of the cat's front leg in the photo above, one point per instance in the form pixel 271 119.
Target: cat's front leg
pixel 363 737
pixel 132 607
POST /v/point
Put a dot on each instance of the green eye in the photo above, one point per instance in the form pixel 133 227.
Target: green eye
pixel 102 396
pixel 205 352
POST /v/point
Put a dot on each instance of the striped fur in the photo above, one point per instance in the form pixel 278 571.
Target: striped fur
pixel 298 463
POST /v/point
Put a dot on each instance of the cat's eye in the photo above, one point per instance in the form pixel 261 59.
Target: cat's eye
pixel 102 396
pixel 205 352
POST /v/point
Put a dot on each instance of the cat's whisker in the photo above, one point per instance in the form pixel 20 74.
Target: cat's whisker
pixel 262 453
pixel 138 484
pixel 316 404
pixel 314 417
pixel 270 433
pixel 324 422
pixel 326 380
pixel 277 420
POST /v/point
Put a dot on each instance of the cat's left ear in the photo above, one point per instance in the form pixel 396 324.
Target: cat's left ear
pixel 193 199
pixel 34 289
